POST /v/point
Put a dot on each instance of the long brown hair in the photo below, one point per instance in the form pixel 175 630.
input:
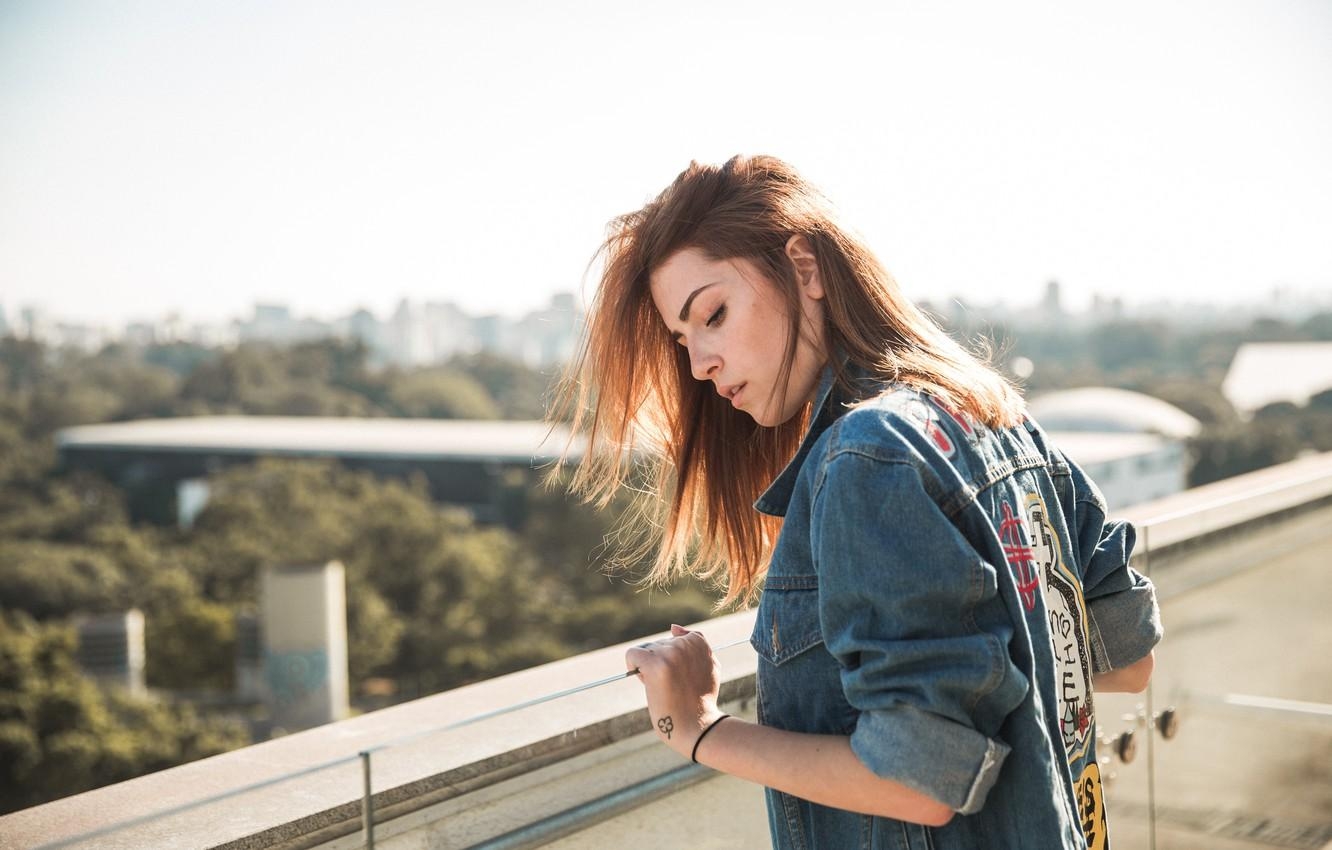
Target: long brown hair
pixel 696 463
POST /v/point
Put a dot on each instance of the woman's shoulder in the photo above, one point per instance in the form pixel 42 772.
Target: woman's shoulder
pixel 904 423
pixel 894 424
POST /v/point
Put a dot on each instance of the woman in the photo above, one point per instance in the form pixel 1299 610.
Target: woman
pixel 940 589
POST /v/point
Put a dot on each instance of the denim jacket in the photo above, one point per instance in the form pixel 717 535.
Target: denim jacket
pixel 942 593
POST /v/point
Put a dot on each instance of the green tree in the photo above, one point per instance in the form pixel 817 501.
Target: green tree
pixel 441 394
pixel 179 358
pixel 1224 451
pixel 61 734
pixel 193 645
pixel 49 580
pixel 236 379
pixel 1318 326
pixel 1204 402
pixel 1124 343
pixel 520 392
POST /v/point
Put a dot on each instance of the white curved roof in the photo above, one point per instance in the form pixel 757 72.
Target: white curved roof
pixel 1110 409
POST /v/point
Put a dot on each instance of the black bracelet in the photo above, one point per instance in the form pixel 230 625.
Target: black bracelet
pixel 694 755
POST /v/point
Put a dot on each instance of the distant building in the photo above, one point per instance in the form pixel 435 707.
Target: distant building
pixel 162 464
pixel 548 336
pixel 1132 445
pixel 1129 469
pixel 414 335
pixel 85 338
pixel 111 649
pixel 363 327
pixel 1105 308
pixel 1052 303
pixel 422 334
pixel 1263 373
pixel 408 339
pixel 34 323
pixel 141 334
pixel 275 323
pixel 448 331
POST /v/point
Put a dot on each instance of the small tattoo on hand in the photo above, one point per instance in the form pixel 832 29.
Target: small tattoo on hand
pixel 667 726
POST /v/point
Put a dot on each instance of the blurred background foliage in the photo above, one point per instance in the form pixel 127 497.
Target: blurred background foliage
pixel 435 599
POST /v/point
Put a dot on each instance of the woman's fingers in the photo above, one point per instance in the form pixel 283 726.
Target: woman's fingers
pixel 636 656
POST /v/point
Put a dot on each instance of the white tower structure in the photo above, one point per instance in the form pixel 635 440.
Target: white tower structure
pixel 304 627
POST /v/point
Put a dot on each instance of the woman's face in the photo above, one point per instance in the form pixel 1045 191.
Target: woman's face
pixel 735 324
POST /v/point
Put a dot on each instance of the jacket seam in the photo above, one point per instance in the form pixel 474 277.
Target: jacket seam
pixel 834 454
pixel 993 475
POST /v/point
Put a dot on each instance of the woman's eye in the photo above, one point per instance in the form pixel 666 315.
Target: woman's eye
pixel 717 316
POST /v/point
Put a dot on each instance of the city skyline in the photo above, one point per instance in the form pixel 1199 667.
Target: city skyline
pixel 424 331
pixel 158 158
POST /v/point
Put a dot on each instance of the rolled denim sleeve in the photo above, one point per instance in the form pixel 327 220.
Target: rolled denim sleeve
pixel 1125 619
pixel 905 606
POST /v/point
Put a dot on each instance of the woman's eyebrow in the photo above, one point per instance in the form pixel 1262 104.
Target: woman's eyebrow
pixel 684 311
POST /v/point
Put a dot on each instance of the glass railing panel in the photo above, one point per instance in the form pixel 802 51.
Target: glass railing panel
pixel 1126 741
pixel 1247 664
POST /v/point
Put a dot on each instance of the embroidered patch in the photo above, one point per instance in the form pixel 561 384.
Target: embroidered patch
pixel 1091 807
pixel 1067 612
pixel 928 422
pixel 1019 556
pixel 961 419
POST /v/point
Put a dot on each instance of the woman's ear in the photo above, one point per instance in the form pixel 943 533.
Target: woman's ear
pixel 801 254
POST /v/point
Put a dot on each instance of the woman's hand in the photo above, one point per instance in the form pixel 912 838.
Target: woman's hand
pixel 681 678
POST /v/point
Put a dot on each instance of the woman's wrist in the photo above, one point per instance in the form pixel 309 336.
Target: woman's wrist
pixel 682 736
pixel 693 754
pixel 684 744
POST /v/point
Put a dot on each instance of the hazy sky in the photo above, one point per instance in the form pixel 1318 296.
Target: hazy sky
pixel 198 156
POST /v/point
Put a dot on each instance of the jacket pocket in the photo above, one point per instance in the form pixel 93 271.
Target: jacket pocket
pixel 787 623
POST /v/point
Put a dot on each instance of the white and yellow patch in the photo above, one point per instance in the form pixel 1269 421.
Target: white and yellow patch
pixel 1091 807
pixel 1067 612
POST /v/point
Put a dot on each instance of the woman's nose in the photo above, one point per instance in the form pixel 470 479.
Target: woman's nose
pixel 704 363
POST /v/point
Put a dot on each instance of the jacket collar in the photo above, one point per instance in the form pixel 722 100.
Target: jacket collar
pixel 830 401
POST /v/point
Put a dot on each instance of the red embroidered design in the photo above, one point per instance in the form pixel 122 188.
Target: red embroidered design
pixel 934 432
pixel 924 416
pixel 1019 557
pixel 959 418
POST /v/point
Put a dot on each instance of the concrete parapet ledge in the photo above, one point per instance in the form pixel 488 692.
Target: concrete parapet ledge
pixel 1190 517
pixel 413 767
